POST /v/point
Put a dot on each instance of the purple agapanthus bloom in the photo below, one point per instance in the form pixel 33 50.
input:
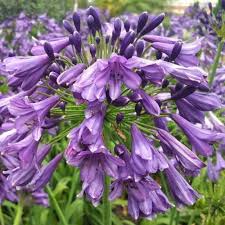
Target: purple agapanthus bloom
pixel 29 113
pixel 145 197
pixel 186 57
pixel 213 173
pixel 26 71
pixel 113 72
pixel 201 139
pixel 184 155
pixel 182 192
pixel 145 158
pixel 93 167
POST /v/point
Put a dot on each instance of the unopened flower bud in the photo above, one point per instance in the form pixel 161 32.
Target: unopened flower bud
pixel 142 20
pixel 178 86
pixel 138 108
pixel 92 50
pixel 127 25
pixel 176 50
pixel 77 41
pixel 54 68
pixel 92 11
pixel 76 21
pixel 49 50
pixel 97 40
pixel 165 83
pixel 117 26
pixel 53 76
pixel 121 101
pixel 68 26
pixel 119 118
pixel 128 39
pixel 140 47
pixel 184 92
pixel 155 22
pixel 158 54
pixel 129 51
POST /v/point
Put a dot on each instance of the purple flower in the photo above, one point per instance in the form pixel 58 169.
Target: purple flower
pixel 199 138
pixel 27 112
pixel 220 162
pixel 213 173
pixel 182 192
pixel 26 71
pixel 57 45
pixel 184 155
pixel 145 158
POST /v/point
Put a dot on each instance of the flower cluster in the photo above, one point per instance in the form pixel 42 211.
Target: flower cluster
pixel 128 95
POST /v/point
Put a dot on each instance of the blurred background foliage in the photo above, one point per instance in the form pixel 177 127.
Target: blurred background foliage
pixel 58 8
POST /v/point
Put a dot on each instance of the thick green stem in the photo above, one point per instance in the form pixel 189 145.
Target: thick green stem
pixel 56 207
pixel 1 216
pixel 19 213
pixel 106 204
pixel 216 62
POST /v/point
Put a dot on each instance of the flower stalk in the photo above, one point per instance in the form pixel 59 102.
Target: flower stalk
pixel 107 210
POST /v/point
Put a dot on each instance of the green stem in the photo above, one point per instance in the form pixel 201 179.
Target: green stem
pixel 1 216
pixel 19 213
pixel 173 212
pixel 216 62
pixel 106 204
pixel 56 206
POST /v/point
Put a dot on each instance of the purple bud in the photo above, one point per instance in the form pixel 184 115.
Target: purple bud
pixel 109 100
pixel 135 97
pixel 158 54
pixel 153 24
pixel 53 76
pixel 74 60
pixel 138 108
pixel 119 149
pixel 127 25
pixel 92 50
pixel 76 21
pixel 178 86
pixel 121 101
pixel 129 51
pixel 223 4
pixel 165 83
pixel 49 50
pixel 119 118
pixel 68 26
pixel 117 26
pixel 107 38
pixel 114 37
pixel 92 11
pixel 90 23
pixel 128 39
pixel 203 88
pixel 184 92
pixel 77 41
pixel 97 39
pixel 45 175
pixel 176 50
pixel 54 68
pixel 142 20
pixel 140 47
pixel 62 105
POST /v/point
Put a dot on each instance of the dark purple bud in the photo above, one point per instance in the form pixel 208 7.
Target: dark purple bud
pixel 54 68
pixel 155 22
pixel 165 83
pixel 138 108
pixel 158 54
pixel 68 26
pixel 11 54
pixel 74 60
pixel 223 4
pixel 77 41
pixel 117 26
pixel 142 20
pixel 144 82
pixel 113 38
pixel 62 105
pixel 159 102
pixel 129 51
pixel 119 149
pixel 184 92
pixel 127 25
pixel 140 47
pixel 178 86
pixel 91 24
pixel 49 50
pixel 109 100
pixel 107 38
pixel 92 11
pixel 121 101
pixel 76 21
pixel 203 88
pixel 53 76
pixel 128 39
pixel 135 97
pixel 92 50
pixel 176 50
pixel 119 118
pixel 97 40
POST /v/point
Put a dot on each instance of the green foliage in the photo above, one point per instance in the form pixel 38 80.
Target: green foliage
pixel 135 6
